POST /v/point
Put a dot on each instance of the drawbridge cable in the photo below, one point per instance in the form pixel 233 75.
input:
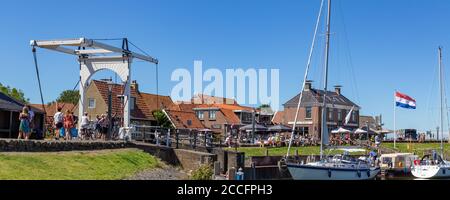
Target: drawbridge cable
pixel 39 81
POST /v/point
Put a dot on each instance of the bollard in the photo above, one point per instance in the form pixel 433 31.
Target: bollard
pixel 157 137
pixel 232 173
pixel 217 168
pixel 253 171
pixel 267 152
pixel 240 174
pixel 296 152
pixel 195 140
pixel 168 138
pixel 177 137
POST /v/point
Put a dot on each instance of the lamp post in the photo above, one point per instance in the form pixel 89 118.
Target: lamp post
pixel 110 85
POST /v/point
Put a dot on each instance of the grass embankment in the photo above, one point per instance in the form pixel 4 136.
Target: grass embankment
pixel 89 165
pixel 418 148
pixel 281 151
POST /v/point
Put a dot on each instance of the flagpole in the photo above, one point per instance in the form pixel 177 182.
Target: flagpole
pixel 395 130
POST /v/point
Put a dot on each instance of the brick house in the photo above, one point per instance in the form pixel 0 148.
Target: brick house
pixel 142 104
pixel 309 118
pixel 221 114
pixel 183 120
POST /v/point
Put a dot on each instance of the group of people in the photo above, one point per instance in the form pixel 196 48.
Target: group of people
pixel 421 138
pixel 26 123
pixel 66 124
pixel 337 139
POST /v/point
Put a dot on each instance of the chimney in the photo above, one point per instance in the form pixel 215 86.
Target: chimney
pixel 308 85
pixel 134 85
pixel 337 89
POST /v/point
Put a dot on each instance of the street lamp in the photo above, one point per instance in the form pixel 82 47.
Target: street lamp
pixel 110 85
pixel 367 125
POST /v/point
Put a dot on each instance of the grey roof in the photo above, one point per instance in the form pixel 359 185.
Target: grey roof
pixel 258 127
pixel 279 128
pixel 314 97
pixel 9 104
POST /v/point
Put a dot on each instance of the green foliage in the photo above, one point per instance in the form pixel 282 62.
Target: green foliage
pixel 69 96
pixel 204 172
pixel 162 119
pixel 281 151
pixel 14 93
pixel 264 106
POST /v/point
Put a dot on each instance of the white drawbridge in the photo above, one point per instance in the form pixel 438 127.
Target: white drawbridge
pixel 94 56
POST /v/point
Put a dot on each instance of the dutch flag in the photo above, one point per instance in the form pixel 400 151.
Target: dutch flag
pixel 404 101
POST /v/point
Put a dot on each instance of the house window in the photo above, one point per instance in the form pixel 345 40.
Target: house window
pixel 91 103
pixel 330 113
pixel 308 112
pixel 132 103
pixel 339 115
pixel 199 115
pixel 212 115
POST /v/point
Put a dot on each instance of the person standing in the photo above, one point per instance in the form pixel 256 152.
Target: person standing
pixel 68 124
pixel 85 126
pixel 31 118
pixel 104 123
pixel 58 119
pixel 24 127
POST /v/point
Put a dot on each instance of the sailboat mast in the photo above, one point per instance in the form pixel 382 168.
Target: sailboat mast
pixel 442 100
pixel 324 129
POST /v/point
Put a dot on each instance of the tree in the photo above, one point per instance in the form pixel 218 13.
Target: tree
pixel 14 93
pixel 162 119
pixel 264 106
pixel 69 96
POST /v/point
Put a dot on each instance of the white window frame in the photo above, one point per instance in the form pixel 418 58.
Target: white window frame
pixel 200 115
pixel 210 115
pixel 310 112
pixel 89 102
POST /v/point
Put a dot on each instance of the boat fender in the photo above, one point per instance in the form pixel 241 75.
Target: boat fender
pixel 368 173
pixel 358 173
pixel 329 173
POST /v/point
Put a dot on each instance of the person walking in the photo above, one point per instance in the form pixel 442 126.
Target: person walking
pixel 58 119
pixel 24 127
pixel 68 124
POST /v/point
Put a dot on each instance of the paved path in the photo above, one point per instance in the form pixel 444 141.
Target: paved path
pixel 167 172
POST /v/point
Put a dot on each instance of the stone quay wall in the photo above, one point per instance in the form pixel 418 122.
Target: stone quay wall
pixel 14 145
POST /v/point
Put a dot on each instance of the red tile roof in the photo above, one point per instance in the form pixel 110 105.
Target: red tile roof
pixel 52 108
pixel 141 111
pixel 278 118
pixel 207 99
pixel 151 100
pixel 230 116
pixel 184 119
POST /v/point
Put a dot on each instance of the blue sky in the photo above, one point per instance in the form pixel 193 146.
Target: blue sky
pixel 392 43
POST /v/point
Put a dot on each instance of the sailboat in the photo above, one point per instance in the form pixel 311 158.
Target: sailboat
pixel 434 166
pixel 337 167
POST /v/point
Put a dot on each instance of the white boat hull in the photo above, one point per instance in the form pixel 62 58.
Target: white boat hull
pixel 431 171
pixel 310 172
